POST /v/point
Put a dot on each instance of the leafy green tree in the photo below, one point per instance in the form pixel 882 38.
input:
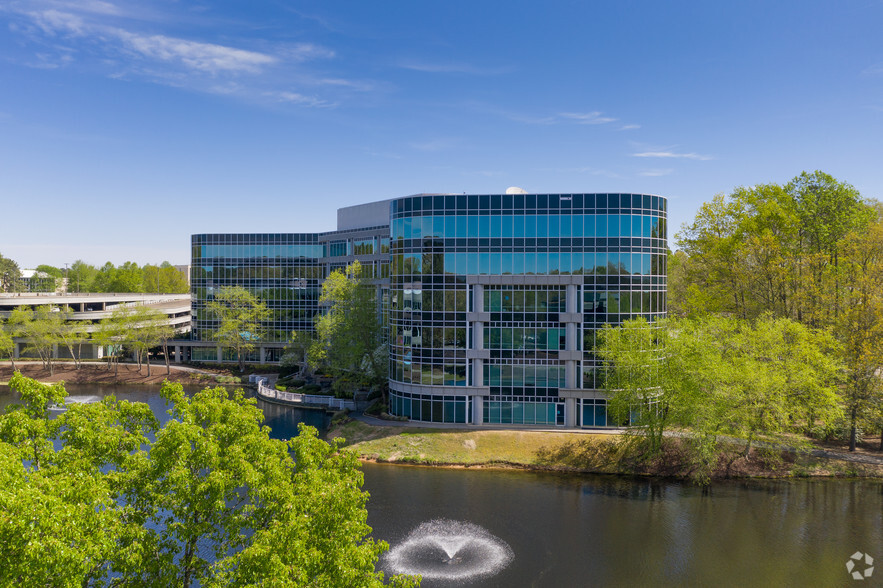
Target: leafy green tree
pixel 128 277
pixel 715 376
pixel 81 276
pixel 50 270
pixel 164 279
pixel 296 355
pixel 211 501
pixel 240 315
pixel 7 343
pixel 859 327
pixel 148 328
pixel 772 248
pixel 10 275
pixel 39 327
pixel 348 335
pixel 113 332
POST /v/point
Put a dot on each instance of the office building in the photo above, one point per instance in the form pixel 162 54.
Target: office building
pixel 492 301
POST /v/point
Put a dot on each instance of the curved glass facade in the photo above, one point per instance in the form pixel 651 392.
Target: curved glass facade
pixel 492 302
pixel 495 301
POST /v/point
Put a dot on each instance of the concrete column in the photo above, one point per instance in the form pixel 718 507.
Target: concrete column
pixel 478 335
pixel 570 342
pixel 478 298
pixel 477 410
pixel 16 351
pixel 571 298
pixel 263 354
pixel 178 358
pixel 55 351
pixel 478 372
pixel 220 354
pixel 570 412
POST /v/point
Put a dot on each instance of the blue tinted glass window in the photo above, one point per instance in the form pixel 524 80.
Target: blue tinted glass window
pixel 462 226
pixel 484 226
pixel 542 226
pixel 554 225
pixel 530 226
pixel 506 226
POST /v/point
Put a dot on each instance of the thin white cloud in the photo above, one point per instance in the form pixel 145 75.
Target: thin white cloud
pixel 300 99
pixel 873 70
pixel 54 21
pixel 629 127
pixel 205 57
pixel 655 173
pixel 673 155
pixel 359 85
pixel 114 37
pixel 305 52
pixel 587 118
pixel 462 68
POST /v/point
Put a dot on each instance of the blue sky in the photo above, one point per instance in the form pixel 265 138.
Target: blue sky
pixel 127 126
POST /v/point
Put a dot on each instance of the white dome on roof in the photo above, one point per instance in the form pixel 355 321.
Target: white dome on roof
pixel 515 190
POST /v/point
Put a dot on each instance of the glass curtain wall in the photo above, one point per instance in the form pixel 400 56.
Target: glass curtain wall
pixel 283 270
pixel 616 242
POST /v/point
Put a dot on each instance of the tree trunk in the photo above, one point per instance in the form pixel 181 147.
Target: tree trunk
pixel 147 356
pixel 852 432
pixel 165 352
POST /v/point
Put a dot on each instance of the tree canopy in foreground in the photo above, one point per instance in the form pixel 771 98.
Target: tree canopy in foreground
pixel 104 496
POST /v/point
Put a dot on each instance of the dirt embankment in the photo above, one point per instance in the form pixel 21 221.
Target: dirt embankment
pixel 97 373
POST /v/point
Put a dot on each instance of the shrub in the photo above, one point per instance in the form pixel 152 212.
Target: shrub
pixel 376 408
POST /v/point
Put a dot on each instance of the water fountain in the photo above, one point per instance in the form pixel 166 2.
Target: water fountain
pixel 449 550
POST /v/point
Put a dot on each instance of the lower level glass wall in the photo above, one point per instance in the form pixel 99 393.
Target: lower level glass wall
pixel 594 412
pixel 424 407
pixel 517 412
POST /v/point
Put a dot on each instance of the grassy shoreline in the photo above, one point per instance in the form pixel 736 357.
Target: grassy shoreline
pixel 572 452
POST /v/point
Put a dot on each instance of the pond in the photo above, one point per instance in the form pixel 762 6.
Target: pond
pixel 514 528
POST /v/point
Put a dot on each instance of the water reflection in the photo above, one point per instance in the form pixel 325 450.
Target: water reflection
pixel 607 531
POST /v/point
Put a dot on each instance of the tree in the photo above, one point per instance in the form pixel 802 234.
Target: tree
pixel 240 315
pixel 859 327
pixel 348 334
pixel 148 328
pixel 10 275
pixel 50 270
pixel 39 327
pixel 7 344
pixel 715 376
pixel 213 500
pixel 773 248
pixel 81 276
pixel 112 332
pixel 164 279
pixel 125 278
pixel 295 358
